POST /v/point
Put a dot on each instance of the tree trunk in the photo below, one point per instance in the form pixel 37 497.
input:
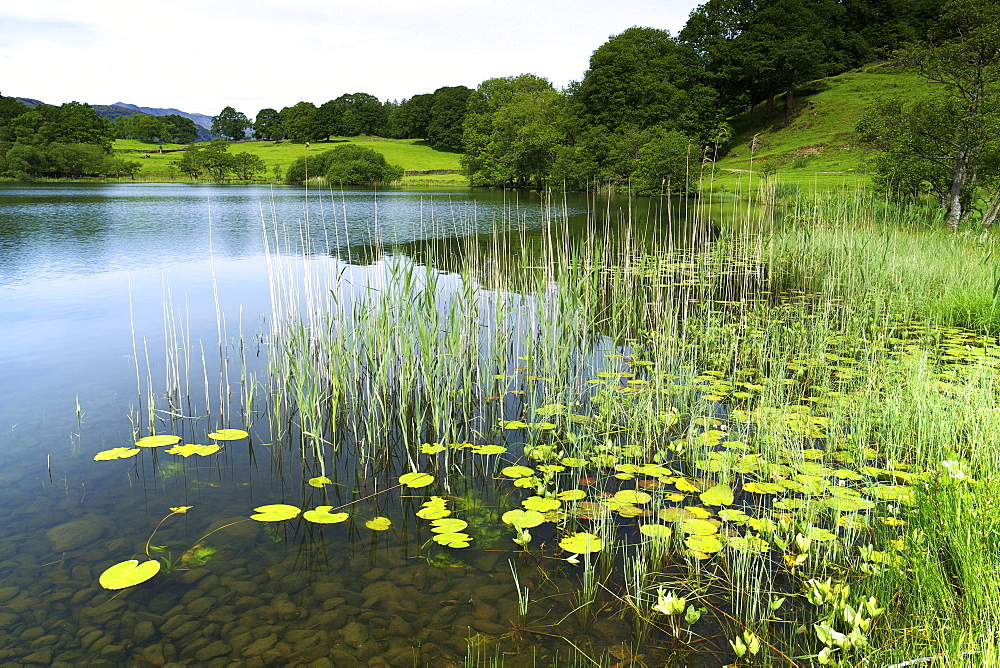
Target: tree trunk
pixel 958 180
pixel 992 210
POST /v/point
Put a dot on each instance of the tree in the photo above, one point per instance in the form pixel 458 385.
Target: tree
pixel 948 143
pixel 181 130
pixel 296 121
pixel 267 125
pixel 247 165
pixel 230 124
pixel 349 164
pixel 446 116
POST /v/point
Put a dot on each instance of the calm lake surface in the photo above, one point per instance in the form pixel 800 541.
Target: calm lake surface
pixel 103 288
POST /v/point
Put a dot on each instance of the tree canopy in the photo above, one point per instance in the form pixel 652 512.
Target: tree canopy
pixel 348 165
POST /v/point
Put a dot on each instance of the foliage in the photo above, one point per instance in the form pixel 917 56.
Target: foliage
pixel 231 124
pixel 267 125
pixel 149 129
pixel 349 164
pixel 949 143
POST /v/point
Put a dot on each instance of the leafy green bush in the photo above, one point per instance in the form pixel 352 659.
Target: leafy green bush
pixel 348 165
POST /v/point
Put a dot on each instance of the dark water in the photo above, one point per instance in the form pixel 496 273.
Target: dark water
pixel 101 286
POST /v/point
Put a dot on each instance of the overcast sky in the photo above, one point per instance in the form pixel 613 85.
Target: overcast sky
pixel 203 55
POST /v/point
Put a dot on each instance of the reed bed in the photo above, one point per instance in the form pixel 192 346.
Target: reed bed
pixel 764 440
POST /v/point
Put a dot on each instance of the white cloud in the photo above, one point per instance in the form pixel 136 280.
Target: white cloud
pixel 202 56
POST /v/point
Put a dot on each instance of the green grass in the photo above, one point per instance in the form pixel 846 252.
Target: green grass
pixel 814 147
pixel 410 154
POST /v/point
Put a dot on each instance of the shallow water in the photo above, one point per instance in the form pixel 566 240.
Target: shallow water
pixel 108 294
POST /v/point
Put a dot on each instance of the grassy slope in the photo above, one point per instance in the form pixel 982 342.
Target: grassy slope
pixel 411 154
pixel 815 146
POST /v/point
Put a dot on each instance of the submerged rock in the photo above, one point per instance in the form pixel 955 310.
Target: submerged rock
pixel 77 533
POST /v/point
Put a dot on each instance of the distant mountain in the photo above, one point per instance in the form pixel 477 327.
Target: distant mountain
pixel 199 119
pixel 113 111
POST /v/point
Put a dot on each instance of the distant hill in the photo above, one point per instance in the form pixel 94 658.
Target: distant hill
pixel 113 111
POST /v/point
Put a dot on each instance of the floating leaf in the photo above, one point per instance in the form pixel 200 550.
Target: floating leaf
pixel 489 449
pixel 320 481
pixel 157 441
pixel 699 527
pixel 550 409
pixel 416 479
pixel 275 512
pixel 513 424
pixel 632 496
pixel 657 531
pixel 574 462
pixel 448 525
pixel 698 512
pixel 129 573
pixel 228 435
pixel 517 471
pixel 115 453
pixel 180 509
pixel 541 425
pixel 685 485
pixel 820 535
pixel 379 523
pixel 455 540
pixel 902 493
pixel 540 504
pixel 433 513
pixel 432 448
pixel 703 543
pixel 322 515
pixel 523 519
pixel 763 488
pixel 571 495
pixel 719 495
pixel 749 543
pixel 192 449
pixel 581 543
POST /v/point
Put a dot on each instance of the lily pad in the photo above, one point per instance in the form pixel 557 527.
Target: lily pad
pixel 699 527
pixel 416 479
pixel 571 495
pixel 115 453
pixel 657 531
pixel 581 543
pixel 632 496
pixel 275 512
pixel 703 543
pixel 129 573
pixel 448 525
pixel 432 448
pixel 322 515
pixel 379 523
pixel 320 481
pixel 489 449
pixel 540 504
pixel 523 519
pixel 192 449
pixel 228 435
pixel 455 540
pixel 719 495
pixel 763 488
pixel 157 441
pixel 517 471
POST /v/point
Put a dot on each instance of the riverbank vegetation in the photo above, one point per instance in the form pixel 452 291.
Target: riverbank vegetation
pixel 768 441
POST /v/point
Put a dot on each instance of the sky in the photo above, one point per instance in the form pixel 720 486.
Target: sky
pixel 202 55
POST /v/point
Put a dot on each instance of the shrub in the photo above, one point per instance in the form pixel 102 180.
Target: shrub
pixel 347 165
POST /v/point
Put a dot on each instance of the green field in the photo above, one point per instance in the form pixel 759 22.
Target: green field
pixel 410 154
pixel 815 147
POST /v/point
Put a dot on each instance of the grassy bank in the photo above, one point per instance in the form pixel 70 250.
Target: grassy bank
pixel 411 154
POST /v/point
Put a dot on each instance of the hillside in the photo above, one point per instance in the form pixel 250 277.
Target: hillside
pixel 814 145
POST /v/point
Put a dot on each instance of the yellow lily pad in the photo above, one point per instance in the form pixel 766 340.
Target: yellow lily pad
pixel 657 531
pixel 455 540
pixel 275 512
pixel 571 495
pixel 228 435
pixel 523 519
pixel 115 453
pixel 763 488
pixel 129 573
pixel 703 543
pixel 379 523
pixel 581 543
pixel 448 525
pixel 320 481
pixel 432 448
pixel 192 449
pixel 157 441
pixel 416 479
pixel 517 471
pixel 540 504
pixel 719 495
pixel 632 496
pixel 322 515
pixel 489 449
pixel 699 527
